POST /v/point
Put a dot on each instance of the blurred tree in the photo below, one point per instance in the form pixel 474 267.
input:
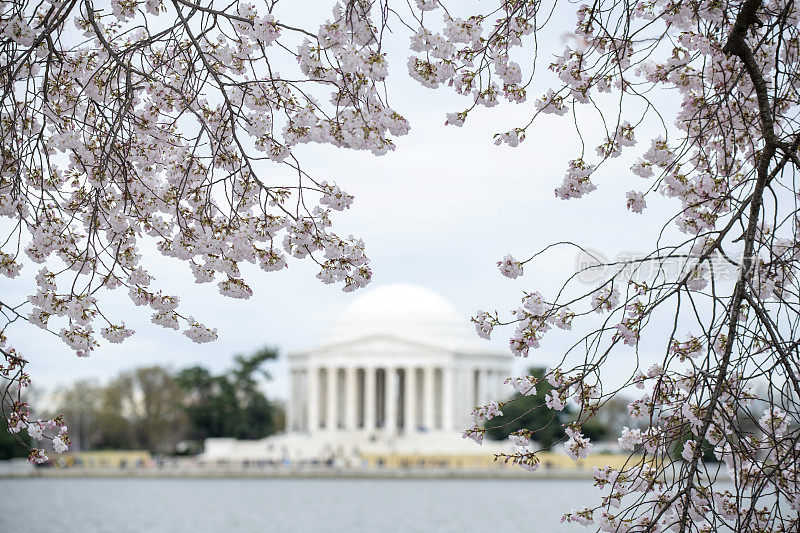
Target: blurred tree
pixel 114 427
pixel 608 421
pixel 256 413
pixel 202 403
pixel 159 420
pixel 231 404
pixel 526 412
pixel 151 408
pixel 9 446
pixel 80 404
pixel 142 409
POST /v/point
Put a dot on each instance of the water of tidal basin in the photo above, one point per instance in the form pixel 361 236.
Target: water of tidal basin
pixel 288 505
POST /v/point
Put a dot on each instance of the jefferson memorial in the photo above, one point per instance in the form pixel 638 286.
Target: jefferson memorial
pixel 396 375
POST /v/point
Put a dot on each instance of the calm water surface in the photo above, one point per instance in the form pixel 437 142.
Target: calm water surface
pixel 265 505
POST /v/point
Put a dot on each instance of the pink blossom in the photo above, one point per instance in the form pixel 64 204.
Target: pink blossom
pixel 510 267
pixel 636 201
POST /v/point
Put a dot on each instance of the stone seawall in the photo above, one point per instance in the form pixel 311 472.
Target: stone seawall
pixel 299 473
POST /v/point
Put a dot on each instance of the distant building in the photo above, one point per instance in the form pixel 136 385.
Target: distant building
pixel 396 375
pixel 399 359
pixel 108 459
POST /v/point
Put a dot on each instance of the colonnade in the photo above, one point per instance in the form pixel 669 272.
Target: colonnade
pixel 387 398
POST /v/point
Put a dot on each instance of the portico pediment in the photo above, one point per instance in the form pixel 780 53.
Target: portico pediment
pixel 378 343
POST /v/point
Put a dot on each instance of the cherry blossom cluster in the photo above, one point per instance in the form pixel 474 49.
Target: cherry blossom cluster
pixel 510 267
pixel 725 384
pixel 18 413
pixel 138 122
pixel 133 122
pixel 473 56
pixel 578 446
pixel 534 319
pixel 480 413
pixel 524 385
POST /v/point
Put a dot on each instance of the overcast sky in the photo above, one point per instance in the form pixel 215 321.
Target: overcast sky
pixel 439 212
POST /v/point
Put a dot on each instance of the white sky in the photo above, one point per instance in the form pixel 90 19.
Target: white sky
pixel 440 211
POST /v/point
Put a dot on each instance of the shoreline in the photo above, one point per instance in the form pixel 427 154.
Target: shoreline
pixel 299 473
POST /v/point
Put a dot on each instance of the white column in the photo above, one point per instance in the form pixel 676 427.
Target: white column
pixel 468 381
pixel 429 399
pixel 313 398
pixel 447 398
pixel 369 399
pixel 465 404
pixel 497 386
pixel 474 386
pixel 291 405
pixel 410 408
pixel 456 381
pixel 480 392
pixel 330 418
pixel 295 403
pixel 351 398
pixel 304 386
pixel 390 399
pixel 299 400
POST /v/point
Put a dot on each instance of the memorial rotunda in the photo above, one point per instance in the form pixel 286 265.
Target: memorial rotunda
pixel 398 371
pixel 399 359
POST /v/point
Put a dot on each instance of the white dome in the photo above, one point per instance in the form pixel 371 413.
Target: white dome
pixel 406 312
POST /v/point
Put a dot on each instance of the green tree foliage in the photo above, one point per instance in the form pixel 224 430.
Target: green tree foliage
pixel 13 445
pixel 9 446
pixel 608 420
pixel 204 406
pixel 231 404
pixel 155 409
pixel 525 412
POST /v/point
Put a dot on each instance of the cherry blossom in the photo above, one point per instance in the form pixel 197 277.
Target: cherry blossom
pixel 524 385
pixel 578 446
pixel 636 201
pixel 727 159
pixel 484 323
pixel 510 267
pixel 630 438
